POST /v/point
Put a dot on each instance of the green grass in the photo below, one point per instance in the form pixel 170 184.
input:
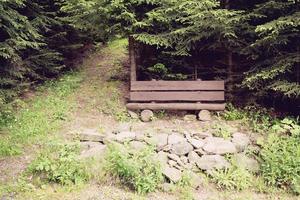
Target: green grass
pixel 40 116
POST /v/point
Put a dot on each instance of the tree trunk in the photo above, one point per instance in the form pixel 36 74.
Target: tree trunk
pixel 132 59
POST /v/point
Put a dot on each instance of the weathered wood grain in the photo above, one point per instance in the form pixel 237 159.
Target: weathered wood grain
pixel 177 85
pixel 178 96
pixel 176 106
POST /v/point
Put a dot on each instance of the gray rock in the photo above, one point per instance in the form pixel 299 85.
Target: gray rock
pixel 125 136
pixel 181 148
pixel 91 135
pixel 203 135
pixel 204 115
pixel 140 137
pixel 147 115
pixel 137 146
pixel 174 175
pixel 175 138
pixel 166 187
pixel 133 114
pixel 172 163
pixel 245 162
pixel 197 144
pixel 215 145
pixel 123 127
pixel 196 180
pixel 162 157
pixel 160 140
pixel 200 152
pixel 167 148
pixel 184 160
pixel 88 145
pixel 241 141
pixel 180 168
pixel 193 157
pixel 175 158
pixel 190 118
pixel 188 136
pixel 96 151
pixel 210 162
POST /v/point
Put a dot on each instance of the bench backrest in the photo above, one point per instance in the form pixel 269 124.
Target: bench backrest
pixel 189 91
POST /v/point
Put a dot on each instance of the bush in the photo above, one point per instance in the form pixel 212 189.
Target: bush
pixel 233 113
pixel 232 178
pixel 281 161
pixel 59 165
pixel 137 169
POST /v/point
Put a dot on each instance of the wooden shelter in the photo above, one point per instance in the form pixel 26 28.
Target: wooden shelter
pixel 173 95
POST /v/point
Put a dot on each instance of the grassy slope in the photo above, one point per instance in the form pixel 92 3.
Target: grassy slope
pixel 40 116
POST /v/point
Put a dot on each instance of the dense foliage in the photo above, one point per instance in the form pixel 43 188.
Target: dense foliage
pixel 36 43
pixel 252 45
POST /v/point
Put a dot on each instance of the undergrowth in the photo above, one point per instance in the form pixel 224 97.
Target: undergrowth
pixel 37 117
pixel 281 156
pixel 59 164
pixel 138 170
pixel 280 149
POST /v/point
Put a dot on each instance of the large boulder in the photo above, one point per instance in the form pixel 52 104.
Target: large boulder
pixel 197 144
pixel 175 138
pixel 91 135
pixel 125 136
pixel 210 162
pixel 181 148
pixel 245 162
pixel 176 158
pixel 215 145
pixel 241 141
pixel 204 115
pixel 147 115
pixel 196 180
pixel 162 158
pixel 201 134
pixel 193 157
pixel 137 146
pixel 173 174
pixel 159 140
pixel 96 151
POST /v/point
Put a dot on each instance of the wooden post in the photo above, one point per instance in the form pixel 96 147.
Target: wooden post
pixel 132 59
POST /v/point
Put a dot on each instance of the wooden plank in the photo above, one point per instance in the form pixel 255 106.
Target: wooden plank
pixel 177 85
pixel 176 106
pixel 178 96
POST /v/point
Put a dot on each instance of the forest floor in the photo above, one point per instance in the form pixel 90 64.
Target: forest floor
pixel 99 103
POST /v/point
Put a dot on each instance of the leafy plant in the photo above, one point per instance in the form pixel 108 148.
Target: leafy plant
pixel 161 72
pixel 231 113
pixel 231 178
pixel 60 165
pixel 137 169
pixel 287 126
pixel 281 161
pixel 185 186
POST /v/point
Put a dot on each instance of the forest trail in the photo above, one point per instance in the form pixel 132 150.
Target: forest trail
pixel 99 104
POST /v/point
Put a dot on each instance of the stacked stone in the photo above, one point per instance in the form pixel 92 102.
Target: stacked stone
pixel 189 151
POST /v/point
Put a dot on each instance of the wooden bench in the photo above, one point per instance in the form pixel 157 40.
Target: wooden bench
pixel 177 95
